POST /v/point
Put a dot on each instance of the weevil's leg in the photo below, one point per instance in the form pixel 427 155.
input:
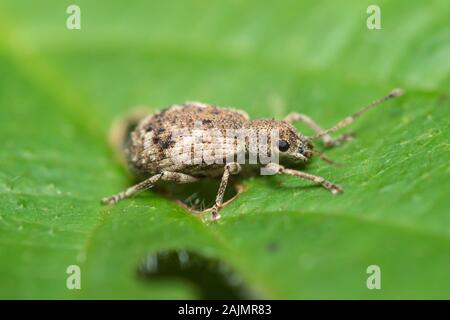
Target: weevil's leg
pixel 177 177
pixel 239 188
pixel 328 141
pixel 348 120
pixel 279 169
pixel 148 183
pixel 230 168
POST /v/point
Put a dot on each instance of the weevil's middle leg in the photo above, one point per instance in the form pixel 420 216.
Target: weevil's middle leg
pixel 149 183
pixel 230 168
pixel 328 140
pixel 279 169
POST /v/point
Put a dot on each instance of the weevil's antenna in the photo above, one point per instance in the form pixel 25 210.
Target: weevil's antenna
pixel 324 158
pixel 393 94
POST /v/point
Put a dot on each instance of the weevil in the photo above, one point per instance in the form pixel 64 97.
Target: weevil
pixel 154 146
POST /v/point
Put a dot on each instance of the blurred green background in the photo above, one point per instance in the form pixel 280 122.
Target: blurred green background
pixel 60 90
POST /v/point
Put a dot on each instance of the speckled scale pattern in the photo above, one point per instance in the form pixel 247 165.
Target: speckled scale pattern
pixel 149 149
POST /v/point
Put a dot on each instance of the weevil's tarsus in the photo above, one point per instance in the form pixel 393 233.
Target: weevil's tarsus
pixel 393 94
pixel 334 142
pixel 149 183
pixel 330 186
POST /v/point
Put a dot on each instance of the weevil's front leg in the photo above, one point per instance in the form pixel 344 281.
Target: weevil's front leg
pixel 328 140
pixel 149 183
pixel 230 168
pixel 279 169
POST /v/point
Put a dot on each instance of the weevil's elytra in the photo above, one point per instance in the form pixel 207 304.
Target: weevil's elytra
pixel 168 146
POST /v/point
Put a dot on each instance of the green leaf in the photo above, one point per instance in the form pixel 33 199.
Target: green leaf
pixel 60 90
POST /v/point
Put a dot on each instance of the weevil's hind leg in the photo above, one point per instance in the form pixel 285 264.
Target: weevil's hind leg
pixel 328 140
pixel 230 168
pixel 279 169
pixel 149 183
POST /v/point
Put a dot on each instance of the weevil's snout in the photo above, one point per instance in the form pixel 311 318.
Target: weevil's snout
pixel 305 148
pixel 303 151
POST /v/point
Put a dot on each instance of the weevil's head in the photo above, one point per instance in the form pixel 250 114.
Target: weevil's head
pixel 292 145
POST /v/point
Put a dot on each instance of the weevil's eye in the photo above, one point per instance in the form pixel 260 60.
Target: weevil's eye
pixel 283 145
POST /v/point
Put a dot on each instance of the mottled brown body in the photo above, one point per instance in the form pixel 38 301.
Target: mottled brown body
pixel 149 149
pixel 151 145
